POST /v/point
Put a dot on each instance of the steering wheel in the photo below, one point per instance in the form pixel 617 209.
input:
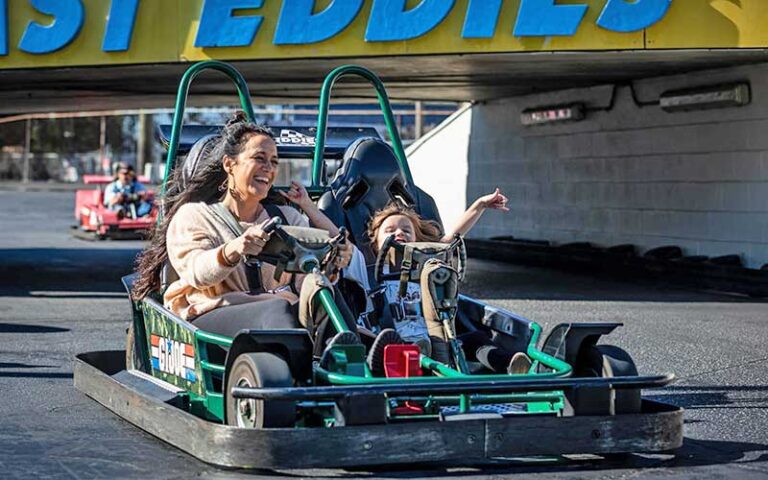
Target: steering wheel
pixel 420 252
pixel 299 249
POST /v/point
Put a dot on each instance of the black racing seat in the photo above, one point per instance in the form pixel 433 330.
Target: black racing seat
pixel 197 159
pixel 370 178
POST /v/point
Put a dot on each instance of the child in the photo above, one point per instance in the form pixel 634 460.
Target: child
pixel 407 226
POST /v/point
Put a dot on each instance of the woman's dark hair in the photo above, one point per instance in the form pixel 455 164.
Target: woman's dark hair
pixel 202 185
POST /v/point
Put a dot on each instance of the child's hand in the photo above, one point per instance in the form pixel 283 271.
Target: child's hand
pixel 298 195
pixel 495 200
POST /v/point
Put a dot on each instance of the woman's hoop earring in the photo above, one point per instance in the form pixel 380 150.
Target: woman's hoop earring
pixel 232 190
pixel 223 186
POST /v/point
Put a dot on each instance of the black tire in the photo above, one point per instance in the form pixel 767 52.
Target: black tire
pixel 133 360
pixel 608 361
pixel 259 370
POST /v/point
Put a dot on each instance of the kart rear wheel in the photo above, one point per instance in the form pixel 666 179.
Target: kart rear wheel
pixel 259 370
pixel 608 361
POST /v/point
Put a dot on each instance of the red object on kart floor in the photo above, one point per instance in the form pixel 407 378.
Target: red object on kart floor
pixel 403 361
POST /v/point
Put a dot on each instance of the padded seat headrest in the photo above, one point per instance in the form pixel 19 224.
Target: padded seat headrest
pixel 197 159
pixel 368 180
pixel 371 176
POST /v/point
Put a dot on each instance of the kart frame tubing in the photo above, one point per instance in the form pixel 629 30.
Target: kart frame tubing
pixel 447 386
pixel 181 103
pixel 386 110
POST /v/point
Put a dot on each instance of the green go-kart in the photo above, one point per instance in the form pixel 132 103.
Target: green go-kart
pixel 264 400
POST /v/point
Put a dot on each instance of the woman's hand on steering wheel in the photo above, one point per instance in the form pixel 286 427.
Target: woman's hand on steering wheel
pixel 252 241
pixel 298 195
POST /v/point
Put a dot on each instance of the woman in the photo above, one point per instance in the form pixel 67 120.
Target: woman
pixel 213 290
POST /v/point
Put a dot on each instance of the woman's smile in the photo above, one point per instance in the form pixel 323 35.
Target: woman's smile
pixel 255 168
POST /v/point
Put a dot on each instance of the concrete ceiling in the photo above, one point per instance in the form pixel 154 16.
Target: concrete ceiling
pixel 440 77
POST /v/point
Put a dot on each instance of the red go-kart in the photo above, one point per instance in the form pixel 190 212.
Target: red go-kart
pixel 97 222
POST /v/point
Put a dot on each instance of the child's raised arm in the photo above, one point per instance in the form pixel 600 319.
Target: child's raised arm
pixel 298 195
pixel 495 200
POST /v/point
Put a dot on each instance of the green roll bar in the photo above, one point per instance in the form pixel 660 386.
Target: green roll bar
pixel 181 103
pixel 322 120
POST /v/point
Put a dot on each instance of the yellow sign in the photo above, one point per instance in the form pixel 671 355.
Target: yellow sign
pixel 59 33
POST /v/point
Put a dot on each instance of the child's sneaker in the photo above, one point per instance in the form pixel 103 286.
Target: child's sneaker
pixel 341 338
pixel 520 364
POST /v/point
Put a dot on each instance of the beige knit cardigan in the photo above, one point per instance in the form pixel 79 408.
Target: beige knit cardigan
pixel 194 238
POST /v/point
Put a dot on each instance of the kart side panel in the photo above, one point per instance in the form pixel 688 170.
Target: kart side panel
pixel 658 428
pixel 173 355
pixel 87 198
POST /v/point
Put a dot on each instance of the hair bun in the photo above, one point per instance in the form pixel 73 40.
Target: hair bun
pixel 238 116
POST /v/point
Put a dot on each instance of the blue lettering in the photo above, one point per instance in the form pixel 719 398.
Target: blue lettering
pixel 218 28
pixel 544 18
pixel 482 16
pixel 389 22
pixel 122 18
pixel 297 25
pixel 68 20
pixel 620 16
pixel 3 27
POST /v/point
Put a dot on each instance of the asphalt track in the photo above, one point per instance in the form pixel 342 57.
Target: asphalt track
pixel 60 296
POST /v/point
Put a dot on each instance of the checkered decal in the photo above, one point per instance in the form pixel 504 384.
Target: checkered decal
pixel 292 137
pixel 173 357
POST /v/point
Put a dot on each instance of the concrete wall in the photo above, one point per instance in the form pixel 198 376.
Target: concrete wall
pixel 438 162
pixel 631 174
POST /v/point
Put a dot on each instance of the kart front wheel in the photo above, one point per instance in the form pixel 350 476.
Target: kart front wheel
pixel 259 370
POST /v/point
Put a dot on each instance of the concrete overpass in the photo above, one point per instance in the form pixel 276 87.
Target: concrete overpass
pixel 91 54
pixel 472 77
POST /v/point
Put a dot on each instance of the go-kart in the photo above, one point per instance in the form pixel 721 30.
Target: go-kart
pixel 97 222
pixel 263 400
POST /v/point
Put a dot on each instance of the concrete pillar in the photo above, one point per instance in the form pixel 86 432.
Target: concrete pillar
pixel 418 121
pixel 106 167
pixel 141 142
pixel 27 149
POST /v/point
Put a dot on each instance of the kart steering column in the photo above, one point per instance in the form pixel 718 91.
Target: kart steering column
pixel 311 265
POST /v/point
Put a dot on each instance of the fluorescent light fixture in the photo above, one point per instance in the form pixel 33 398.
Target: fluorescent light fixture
pixel 556 114
pixel 720 96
